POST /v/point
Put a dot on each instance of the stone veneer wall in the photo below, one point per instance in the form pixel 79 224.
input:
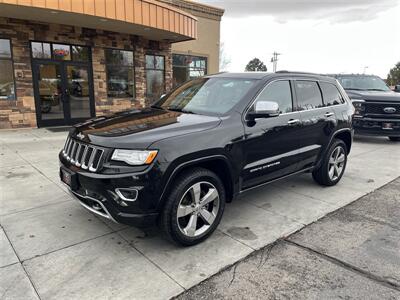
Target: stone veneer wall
pixel 21 112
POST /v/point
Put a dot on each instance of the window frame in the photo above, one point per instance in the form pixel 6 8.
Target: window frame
pixel 187 67
pixel 133 98
pixel 70 45
pixel 253 101
pixel 267 85
pixel 298 108
pixel 11 59
pixel 339 92
pixel 154 69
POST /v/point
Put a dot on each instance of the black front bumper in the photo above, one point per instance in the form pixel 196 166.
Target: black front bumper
pixel 376 126
pixel 96 193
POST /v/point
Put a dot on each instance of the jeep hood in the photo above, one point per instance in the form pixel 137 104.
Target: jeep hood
pixel 376 96
pixel 141 128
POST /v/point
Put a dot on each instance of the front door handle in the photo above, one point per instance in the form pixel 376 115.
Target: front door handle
pixel 293 122
pixel 329 114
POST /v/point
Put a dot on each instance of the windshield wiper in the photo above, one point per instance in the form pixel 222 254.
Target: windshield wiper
pixel 180 110
pixel 379 90
pixel 157 107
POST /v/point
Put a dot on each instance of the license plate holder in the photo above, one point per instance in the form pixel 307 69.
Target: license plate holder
pixel 387 126
pixel 69 178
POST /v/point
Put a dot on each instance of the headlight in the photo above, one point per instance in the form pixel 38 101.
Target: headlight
pixel 358 106
pixel 134 157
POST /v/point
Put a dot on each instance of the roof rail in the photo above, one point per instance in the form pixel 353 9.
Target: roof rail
pixel 299 72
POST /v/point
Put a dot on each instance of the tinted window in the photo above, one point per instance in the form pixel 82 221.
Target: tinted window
pixel 279 92
pixel 308 95
pixel 331 94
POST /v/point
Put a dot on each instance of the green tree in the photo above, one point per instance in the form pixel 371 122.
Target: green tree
pixel 256 65
pixel 393 77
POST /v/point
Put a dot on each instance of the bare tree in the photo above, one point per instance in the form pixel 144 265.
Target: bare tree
pixel 224 59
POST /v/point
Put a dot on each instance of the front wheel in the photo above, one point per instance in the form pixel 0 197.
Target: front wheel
pixel 394 138
pixel 333 164
pixel 194 207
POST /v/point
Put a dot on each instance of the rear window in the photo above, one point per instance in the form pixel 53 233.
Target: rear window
pixel 308 95
pixel 331 94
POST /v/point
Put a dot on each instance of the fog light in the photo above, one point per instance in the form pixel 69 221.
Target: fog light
pixel 127 194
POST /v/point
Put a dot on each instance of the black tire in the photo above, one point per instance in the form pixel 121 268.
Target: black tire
pixel 394 138
pixel 321 175
pixel 169 221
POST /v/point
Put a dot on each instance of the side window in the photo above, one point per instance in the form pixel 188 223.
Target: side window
pixel 308 95
pixel 279 92
pixel 331 94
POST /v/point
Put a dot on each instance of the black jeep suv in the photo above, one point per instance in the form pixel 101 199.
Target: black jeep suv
pixel 211 139
pixel 377 107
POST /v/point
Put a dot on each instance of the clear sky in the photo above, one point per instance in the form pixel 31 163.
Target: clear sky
pixel 324 36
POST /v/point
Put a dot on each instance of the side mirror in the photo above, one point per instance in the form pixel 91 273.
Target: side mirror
pixel 264 109
pixel 397 88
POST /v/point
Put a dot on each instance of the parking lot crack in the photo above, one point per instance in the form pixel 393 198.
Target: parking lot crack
pixel 347 266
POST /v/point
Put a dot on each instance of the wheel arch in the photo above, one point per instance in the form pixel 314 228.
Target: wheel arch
pixel 346 136
pixel 219 164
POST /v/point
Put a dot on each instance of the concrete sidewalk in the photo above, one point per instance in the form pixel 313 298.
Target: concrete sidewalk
pixel 354 253
pixel 53 249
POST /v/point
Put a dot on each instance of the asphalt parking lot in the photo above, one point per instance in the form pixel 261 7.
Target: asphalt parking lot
pixel 51 248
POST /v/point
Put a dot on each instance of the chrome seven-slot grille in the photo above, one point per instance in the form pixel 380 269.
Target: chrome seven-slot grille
pixel 82 155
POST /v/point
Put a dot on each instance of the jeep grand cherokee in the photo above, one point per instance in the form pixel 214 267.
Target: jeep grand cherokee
pixel 178 162
pixel 377 107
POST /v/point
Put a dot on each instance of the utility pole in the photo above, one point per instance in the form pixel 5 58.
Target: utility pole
pixel 274 60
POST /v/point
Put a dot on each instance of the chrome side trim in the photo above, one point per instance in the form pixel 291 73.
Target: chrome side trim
pixel 107 215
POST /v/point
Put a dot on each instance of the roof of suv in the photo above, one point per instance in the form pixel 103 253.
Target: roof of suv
pixel 264 75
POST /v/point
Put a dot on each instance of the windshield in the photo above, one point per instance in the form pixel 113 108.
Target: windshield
pixel 214 96
pixel 359 82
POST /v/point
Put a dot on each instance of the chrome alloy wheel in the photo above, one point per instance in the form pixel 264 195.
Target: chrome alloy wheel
pixel 198 209
pixel 336 163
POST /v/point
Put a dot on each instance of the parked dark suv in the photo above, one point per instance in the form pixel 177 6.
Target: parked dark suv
pixel 377 107
pixel 203 144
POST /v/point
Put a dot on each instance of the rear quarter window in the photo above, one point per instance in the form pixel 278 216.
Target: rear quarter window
pixel 308 95
pixel 331 94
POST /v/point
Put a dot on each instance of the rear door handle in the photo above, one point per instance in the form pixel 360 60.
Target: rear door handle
pixel 293 122
pixel 329 114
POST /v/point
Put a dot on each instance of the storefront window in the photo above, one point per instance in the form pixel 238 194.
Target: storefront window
pixel 80 53
pixel 186 67
pixel 155 67
pixel 120 73
pixel 43 50
pixel 62 52
pixel 7 85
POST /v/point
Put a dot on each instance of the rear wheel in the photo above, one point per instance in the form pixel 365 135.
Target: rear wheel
pixel 333 164
pixel 394 138
pixel 194 207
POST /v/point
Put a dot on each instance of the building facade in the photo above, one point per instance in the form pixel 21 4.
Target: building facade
pixel 62 62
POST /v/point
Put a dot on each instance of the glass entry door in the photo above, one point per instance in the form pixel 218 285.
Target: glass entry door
pixel 63 93
pixel 78 92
